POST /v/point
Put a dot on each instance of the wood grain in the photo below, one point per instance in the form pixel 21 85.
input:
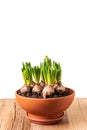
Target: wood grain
pixel 12 117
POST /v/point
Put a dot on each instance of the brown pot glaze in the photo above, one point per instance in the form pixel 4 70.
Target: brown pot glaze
pixel 45 111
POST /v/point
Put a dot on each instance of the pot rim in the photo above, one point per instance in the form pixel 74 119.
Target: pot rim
pixel 73 93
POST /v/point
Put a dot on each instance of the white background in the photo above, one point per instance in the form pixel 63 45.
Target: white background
pixel 29 30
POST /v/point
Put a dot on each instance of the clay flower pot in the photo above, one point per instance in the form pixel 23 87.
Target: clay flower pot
pixel 45 111
pixel 43 96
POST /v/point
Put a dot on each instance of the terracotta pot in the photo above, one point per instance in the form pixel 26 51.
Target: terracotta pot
pixel 45 111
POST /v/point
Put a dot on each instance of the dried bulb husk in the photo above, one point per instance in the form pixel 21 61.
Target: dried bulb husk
pixel 59 88
pixel 32 84
pixel 48 90
pixel 42 84
pixel 25 89
pixel 37 88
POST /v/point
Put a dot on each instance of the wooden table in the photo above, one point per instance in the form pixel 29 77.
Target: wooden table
pixel 12 117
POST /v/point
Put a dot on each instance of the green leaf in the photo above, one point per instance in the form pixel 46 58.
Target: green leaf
pixel 27 73
pixel 36 73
